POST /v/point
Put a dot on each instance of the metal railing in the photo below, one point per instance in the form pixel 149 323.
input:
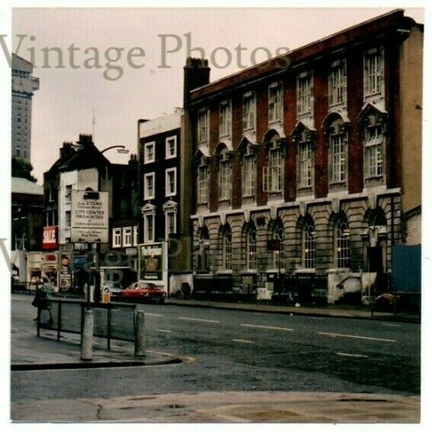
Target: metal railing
pixel 23 287
pixel 111 320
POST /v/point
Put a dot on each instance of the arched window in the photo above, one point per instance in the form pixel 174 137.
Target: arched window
pixel 342 237
pixel 225 171
pixel 251 248
pixel 278 234
pixel 378 218
pixel 227 248
pixel 309 244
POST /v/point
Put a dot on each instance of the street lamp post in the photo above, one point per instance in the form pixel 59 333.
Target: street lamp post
pixel 116 146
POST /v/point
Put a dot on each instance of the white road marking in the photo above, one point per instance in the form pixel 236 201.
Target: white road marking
pixel 243 341
pixel 198 319
pixel 355 337
pixel 154 315
pixel 267 327
pixel 390 325
pixel 352 355
pixel 164 331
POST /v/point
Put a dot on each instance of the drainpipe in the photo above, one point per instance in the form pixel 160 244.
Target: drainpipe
pixel 138 185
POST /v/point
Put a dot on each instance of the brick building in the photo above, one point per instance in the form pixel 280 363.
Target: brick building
pixel 306 164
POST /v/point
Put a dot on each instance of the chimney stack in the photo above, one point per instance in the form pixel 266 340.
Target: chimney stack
pixel 196 74
pixel 67 150
pixel 85 139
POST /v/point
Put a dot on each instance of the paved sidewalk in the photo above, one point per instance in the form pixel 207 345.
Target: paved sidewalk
pixel 226 407
pixel 31 352
pixel 330 310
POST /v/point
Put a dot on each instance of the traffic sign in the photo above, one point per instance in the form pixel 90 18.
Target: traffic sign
pixel 89 217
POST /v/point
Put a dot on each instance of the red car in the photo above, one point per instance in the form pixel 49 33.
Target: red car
pixel 145 292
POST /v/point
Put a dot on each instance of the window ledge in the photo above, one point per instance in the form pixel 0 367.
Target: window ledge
pixel 272 122
pixel 374 178
pixel 342 105
pixel 249 272
pixel 305 270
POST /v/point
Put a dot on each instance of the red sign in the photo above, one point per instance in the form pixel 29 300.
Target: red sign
pixel 49 241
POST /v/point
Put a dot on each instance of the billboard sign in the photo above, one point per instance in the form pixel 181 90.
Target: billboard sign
pixel 89 217
pixel 49 239
pixel 152 262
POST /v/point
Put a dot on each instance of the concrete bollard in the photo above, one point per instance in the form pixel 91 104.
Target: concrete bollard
pixel 140 334
pixel 87 336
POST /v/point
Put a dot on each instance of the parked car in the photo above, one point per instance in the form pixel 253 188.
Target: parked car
pixel 145 292
pixel 115 288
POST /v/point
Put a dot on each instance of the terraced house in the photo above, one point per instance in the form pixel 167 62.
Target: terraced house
pixel 308 166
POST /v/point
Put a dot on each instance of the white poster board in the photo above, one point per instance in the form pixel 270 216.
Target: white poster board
pixel 89 217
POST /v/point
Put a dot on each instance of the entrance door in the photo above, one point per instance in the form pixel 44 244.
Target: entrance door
pixel 375 260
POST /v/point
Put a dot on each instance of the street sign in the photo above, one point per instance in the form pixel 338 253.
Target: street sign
pixel 89 217
pixel 132 251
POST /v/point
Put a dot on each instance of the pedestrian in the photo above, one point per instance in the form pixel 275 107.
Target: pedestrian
pixel 39 294
pixel 43 298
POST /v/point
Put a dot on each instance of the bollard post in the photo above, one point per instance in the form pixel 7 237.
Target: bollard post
pixel 87 336
pixel 140 334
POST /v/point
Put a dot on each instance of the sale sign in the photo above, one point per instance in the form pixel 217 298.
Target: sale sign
pixel 49 240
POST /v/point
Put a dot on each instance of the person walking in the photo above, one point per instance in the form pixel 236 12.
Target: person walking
pixel 43 298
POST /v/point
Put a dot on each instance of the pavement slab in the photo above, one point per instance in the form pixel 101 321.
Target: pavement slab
pixel 226 407
pixel 333 311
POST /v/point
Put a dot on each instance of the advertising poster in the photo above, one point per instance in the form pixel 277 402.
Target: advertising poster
pixel 152 262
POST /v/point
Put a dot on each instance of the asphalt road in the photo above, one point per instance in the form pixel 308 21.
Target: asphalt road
pixel 243 351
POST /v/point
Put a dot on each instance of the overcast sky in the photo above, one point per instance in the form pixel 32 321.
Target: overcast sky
pixel 64 105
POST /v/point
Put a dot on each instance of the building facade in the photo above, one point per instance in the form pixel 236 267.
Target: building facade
pixel 160 150
pixel 80 167
pixel 305 165
pixel 23 87
pixel 27 222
